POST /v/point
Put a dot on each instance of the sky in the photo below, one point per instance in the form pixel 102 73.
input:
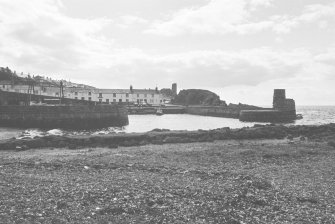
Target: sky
pixel 240 49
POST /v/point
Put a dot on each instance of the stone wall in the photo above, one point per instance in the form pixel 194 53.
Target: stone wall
pixel 283 110
pixel 266 116
pixel 214 111
pixel 13 98
pixel 69 116
pixel 281 103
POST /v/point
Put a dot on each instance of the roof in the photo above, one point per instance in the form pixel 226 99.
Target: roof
pixel 124 91
pixel 6 82
pixel 145 91
pixel 120 91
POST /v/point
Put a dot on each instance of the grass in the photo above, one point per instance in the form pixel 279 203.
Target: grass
pixel 269 181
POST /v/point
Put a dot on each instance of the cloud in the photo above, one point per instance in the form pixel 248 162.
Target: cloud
pixel 212 69
pixel 311 13
pixel 127 21
pixel 238 16
pixel 36 35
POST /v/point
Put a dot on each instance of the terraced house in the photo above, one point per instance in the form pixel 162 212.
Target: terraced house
pixel 107 96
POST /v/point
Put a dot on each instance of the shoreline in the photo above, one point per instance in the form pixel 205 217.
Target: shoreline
pixel 164 136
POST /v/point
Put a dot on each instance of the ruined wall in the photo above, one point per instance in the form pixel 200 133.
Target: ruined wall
pixel 75 116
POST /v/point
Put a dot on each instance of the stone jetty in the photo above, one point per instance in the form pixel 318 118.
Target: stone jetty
pixel 283 110
pixel 63 116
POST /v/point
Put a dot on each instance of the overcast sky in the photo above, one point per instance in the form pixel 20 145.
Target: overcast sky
pixel 240 49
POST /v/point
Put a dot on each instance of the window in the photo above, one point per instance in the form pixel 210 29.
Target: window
pixel 114 94
pixel 83 98
pixel 127 100
pixel 76 93
pixel 145 95
pixel 120 100
pixel 89 98
pixel 145 100
pixel 76 98
pixel 138 95
pixel 100 96
pixel 57 94
pixel 100 100
pixel 114 100
pixel 3 86
pixel 127 94
pixel 107 100
pixel 90 93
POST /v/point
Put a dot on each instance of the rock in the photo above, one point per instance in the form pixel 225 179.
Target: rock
pixel 7 146
pixel 144 142
pixel 73 146
pixel 36 143
pixel 113 146
pixel 331 143
pixel 258 125
pixel 131 142
pixel 169 139
pixel 159 130
pixel 290 137
pixel 21 148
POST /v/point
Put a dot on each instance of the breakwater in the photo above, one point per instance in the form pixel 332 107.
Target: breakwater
pixel 13 98
pixel 215 111
pixel 283 110
pixel 153 110
pixel 159 136
pixel 63 116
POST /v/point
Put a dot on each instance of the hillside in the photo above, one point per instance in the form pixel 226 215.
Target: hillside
pixel 197 97
pixel 7 74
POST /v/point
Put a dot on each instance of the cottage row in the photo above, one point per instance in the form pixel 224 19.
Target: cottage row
pixel 137 96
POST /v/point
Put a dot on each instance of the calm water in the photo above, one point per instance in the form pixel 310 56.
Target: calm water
pixel 313 115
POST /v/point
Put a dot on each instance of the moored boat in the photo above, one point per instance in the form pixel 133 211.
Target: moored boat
pixel 159 112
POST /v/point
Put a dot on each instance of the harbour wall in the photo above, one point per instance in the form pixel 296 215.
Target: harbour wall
pixel 267 116
pixel 13 98
pixel 63 116
pixel 283 110
pixel 153 110
pixel 214 111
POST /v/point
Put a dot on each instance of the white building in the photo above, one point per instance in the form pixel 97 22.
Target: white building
pixel 137 96
pixel 108 96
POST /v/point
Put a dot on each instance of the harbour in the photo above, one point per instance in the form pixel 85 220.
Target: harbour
pixel 312 115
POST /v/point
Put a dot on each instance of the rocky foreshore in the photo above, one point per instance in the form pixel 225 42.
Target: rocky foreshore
pixel 163 136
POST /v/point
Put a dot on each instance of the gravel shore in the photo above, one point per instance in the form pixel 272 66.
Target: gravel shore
pixel 223 181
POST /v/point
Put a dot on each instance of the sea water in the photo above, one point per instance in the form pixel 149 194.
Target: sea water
pixel 312 115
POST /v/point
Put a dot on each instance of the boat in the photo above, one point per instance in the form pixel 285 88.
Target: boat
pixel 159 112
pixel 299 116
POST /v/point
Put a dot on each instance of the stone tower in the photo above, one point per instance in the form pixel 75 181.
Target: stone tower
pixel 280 103
pixel 279 98
pixel 174 88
